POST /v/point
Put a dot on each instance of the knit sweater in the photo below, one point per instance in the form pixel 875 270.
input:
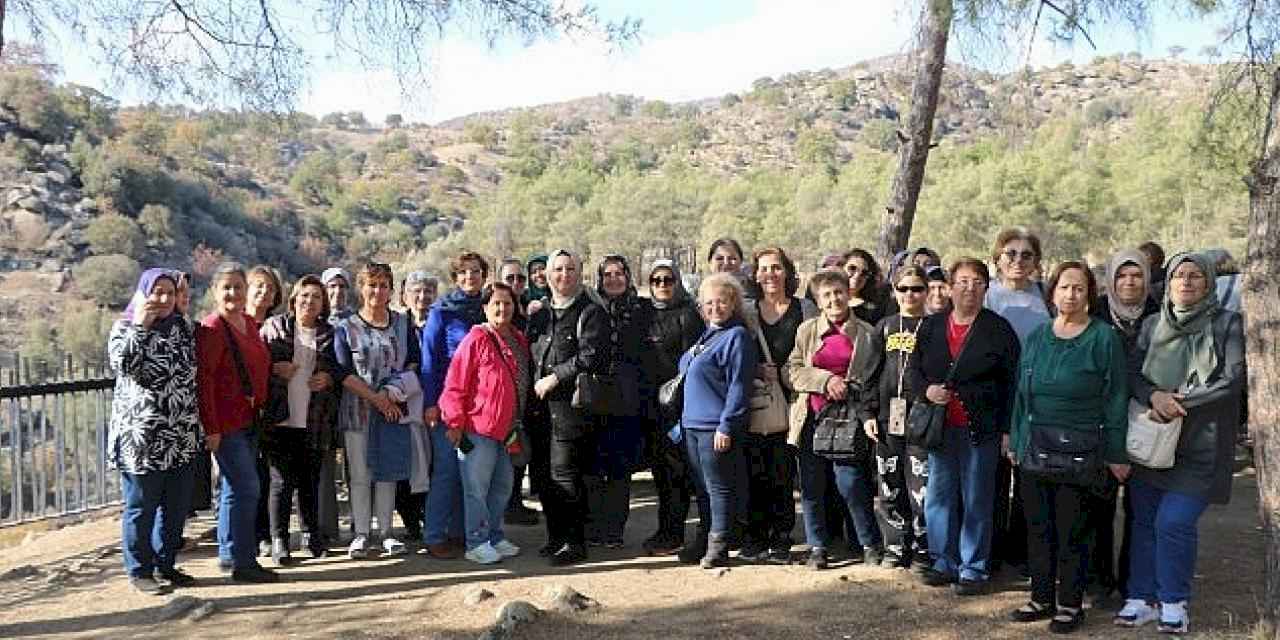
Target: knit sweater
pixel 717 383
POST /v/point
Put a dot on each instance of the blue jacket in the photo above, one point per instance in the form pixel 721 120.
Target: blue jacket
pixel 447 324
pixel 718 382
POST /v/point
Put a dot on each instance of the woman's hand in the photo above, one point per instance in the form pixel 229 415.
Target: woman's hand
pixel 938 394
pixel 389 410
pixel 212 441
pixel 545 384
pixel 1167 405
pixel 431 416
pixel 319 382
pixel 722 442
pixel 1120 471
pixel 454 436
pixel 869 427
pixel 144 315
pixel 1004 448
pixel 284 369
pixel 836 388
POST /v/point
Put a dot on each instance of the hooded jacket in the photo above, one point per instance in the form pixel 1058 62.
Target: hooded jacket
pixel 448 322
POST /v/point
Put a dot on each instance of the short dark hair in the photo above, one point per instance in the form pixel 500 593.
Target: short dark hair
pixel 1091 281
pixel 1009 235
pixel 1154 253
pixel 309 280
pixel 791 283
pixel 724 242
pixel 977 266
pixel 486 294
pixel 371 270
pixel 912 271
pixel 828 279
pixel 455 265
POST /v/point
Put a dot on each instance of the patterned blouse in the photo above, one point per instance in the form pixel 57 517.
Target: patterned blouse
pixel 374 354
pixel 155 421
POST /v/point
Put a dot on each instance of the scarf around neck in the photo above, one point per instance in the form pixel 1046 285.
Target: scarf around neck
pixel 1182 342
pixel 469 308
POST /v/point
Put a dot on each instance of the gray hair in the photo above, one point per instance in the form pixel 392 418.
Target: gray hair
pixel 420 277
pixel 226 269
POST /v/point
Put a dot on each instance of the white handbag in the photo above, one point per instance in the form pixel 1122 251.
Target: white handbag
pixel 769 408
pixel 1149 443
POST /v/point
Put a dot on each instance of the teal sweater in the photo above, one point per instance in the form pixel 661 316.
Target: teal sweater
pixel 1081 382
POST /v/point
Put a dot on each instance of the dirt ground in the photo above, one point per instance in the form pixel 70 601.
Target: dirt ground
pixel 78 590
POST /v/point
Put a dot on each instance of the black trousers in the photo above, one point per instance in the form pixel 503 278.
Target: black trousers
pixel 1058 539
pixel 608 506
pixel 292 465
pixel 770 512
pixel 904 476
pixel 202 487
pixel 517 482
pixel 412 508
pixel 565 499
pixel 670 466
pixel 262 523
pixel 1009 534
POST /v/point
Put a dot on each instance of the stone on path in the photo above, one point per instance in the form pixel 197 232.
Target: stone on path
pixel 511 616
pixel 179 606
pixel 565 598
pixel 20 572
pixel 476 595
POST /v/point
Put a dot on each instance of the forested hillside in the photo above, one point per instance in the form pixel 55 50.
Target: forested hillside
pixel 1092 158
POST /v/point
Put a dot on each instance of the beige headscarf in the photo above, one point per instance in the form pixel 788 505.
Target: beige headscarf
pixel 1119 310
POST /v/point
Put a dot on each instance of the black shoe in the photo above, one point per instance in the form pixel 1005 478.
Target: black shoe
pixel 177 578
pixel 660 544
pixel 1066 620
pixel 280 552
pixel 147 585
pixel 753 552
pixel 520 516
pixel 779 554
pixel 934 578
pixel 717 552
pixel 1031 612
pixel 569 554
pixel 255 574
pixel 692 552
pixel 873 556
pixel 817 559
pixel 550 548
pixel 225 567
pixel 972 587
pixel 614 542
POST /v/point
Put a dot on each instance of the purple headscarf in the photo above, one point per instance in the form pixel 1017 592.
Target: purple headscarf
pixel 145 284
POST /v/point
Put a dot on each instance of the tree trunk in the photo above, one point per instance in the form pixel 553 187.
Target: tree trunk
pixel 1262 352
pixel 913 153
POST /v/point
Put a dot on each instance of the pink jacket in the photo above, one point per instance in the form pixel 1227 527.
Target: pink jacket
pixel 479 390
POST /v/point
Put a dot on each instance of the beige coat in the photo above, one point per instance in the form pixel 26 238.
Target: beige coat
pixel 800 374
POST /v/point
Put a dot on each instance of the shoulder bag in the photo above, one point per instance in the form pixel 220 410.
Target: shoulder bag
pixel 1061 454
pixel 246 384
pixel 837 436
pixel 671 393
pixel 768 410
pixel 517 441
pixel 1151 444
pixel 926 421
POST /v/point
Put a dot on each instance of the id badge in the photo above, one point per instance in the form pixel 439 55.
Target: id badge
pixel 897 416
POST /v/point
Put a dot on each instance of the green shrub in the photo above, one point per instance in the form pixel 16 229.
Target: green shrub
pixel 656 109
pixel 35 102
pixel 481 133
pixel 109 279
pixel 111 233
pixel 880 134
pixel 82 334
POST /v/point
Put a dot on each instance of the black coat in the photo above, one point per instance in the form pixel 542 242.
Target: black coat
pixel 672 331
pixel 985 374
pixel 322 410
pixel 1128 330
pixel 559 347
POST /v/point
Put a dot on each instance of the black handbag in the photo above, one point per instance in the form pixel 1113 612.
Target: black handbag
pixel 593 393
pixel 671 393
pixel 926 421
pixel 837 436
pixel 1064 455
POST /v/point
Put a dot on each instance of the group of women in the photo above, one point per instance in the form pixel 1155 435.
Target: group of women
pixel 989 414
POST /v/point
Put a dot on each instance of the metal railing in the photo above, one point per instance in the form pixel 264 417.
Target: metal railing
pixel 53 429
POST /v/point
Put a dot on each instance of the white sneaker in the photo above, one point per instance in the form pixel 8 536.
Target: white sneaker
pixel 506 549
pixel 484 554
pixel 1173 618
pixel 1136 612
pixel 393 547
pixel 359 547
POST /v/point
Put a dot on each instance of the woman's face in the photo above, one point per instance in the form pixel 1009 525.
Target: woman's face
pixel 230 291
pixel 859 273
pixel 182 298
pixel 376 292
pixel 833 299
pixel 308 304
pixel 513 276
pixel 717 305
pixel 1018 261
pixel 163 297
pixel 725 260
pixel 662 284
pixel 939 297
pixel 420 296
pixel 1188 284
pixel 500 308
pixel 337 291
pixel 771 275
pixel 968 290
pixel 469 277
pixel 564 276
pixel 1129 286
pixel 911 292
pixel 613 279
pixel 261 292
pixel 1071 296
pixel 538 272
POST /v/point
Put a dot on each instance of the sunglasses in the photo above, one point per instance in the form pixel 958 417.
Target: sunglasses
pixel 515 277
pixel 915 288
pixel 1013 255
pixel 662 281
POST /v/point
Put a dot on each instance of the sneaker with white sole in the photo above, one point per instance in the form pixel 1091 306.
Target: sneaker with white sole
pixel 1136 612
pixel 506 549
pixel 359 547
pixel 484 554
pixel 393 547
pixel 1173 618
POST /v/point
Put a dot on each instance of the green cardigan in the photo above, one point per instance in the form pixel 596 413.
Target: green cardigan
pixel 1079 382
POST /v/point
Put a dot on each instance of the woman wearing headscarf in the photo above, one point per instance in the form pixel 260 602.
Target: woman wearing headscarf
pixel 608 482
pixel 448 323
pixel 569 336
pixel 675 328
pixel 155 433
pixel 536 289
pixel 1188 364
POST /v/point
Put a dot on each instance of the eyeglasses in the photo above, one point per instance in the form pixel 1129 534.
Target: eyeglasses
pixel 1013 255
pixel 915 288
pixel 855 270
pixel 662 281
pixel 515 277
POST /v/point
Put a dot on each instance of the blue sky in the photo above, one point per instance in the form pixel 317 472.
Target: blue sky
pixel 689 49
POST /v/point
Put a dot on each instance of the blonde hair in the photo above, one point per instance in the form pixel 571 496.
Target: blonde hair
pixel 724 282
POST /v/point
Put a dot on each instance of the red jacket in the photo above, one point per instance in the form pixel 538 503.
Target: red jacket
pixel 223 407
pixel 479 390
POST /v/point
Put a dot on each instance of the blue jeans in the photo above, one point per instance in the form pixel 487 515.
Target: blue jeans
pixel 853 484
pixel 1162 548
pixel 716 478
pixel 487 479
pixel 444 499
pixel 156 504
pixel 237 457
pixel 959 505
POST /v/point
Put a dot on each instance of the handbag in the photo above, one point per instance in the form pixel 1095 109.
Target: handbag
pixel 517 441
pixel 837 436
pixel 1061 454
pixel 926 421
pixel 1151 444
pixel 768 409
pixel 671 393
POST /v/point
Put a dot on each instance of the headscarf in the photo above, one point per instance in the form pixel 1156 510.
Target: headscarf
pixel 335 272
pixel 1121 312
pixel 558 302
pixel 679 295
pixel 1182 342
pixel 147 282
pixel 531 290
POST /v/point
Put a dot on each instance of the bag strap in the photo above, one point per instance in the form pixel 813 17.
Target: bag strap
pixel 515 380
pixel 964 346
pixel 246 386
pixel 902 360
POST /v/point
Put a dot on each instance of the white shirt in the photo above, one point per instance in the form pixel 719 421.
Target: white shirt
pixel 304 356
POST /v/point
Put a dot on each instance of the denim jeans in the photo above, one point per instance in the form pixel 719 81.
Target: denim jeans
pixel 444 518
pixel 1162 553
pixel 958 509
pixel 156 504
pixel 238 499
pixel 853 484
pixel 715 477
pixel 487 477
